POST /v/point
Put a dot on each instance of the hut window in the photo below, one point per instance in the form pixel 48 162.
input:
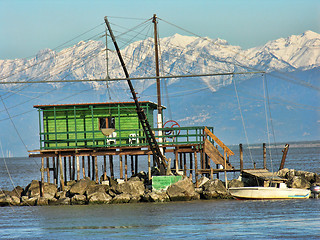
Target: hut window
pixel 108 122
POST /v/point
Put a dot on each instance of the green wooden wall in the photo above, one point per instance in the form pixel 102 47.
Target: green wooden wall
pixel 68 126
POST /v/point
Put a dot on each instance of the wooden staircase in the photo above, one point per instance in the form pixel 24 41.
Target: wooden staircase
pixel 214 153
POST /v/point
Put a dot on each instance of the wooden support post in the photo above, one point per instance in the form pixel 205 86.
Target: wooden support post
pixel 93 167
pixel 180 161
pixel 57 169
pixel 121 167
pixel 61 174
pixel 83 168
pixel 132 166
pixel 78 168
pixel 191 165
pixel 89 168
pixel 264 156
pixel 104 167
pixel 70 170
pixel 48 170
pixel 217 166
pixel 111 166
pixel 225 167
pixel 42 177
pixel 176 161
pixel 211 173
pixel 96 168
pixel 149 167
pixel 196 168
pixel 241 157
pixel 65 169
pixel 184 164
pixel 73 168
pixel 284 155
pixel 54 170
pixel 136 164
pixel 126 167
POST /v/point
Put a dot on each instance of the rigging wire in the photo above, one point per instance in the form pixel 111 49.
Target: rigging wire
pixel 242 119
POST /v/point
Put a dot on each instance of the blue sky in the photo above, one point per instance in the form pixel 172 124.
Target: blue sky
pixel 27 26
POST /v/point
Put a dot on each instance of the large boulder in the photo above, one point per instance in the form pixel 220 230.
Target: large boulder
pixel 17 191
pixel 298 182
pixel 283 173
pixel 214 189
pixel 92 189
pixel 235 183
pixel 26 201
pixel 81 186
pixel 134 188
pixel 33 189
pixel 122 198
pixel 309 176
pixel 156 197
pixel 7 200
pixel 78 199
pixel 100 197
pixel 182 190
pixel 42 201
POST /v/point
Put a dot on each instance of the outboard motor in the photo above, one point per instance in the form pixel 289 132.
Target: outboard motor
pixel 315 190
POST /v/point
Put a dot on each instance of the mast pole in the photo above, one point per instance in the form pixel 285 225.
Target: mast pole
pixel 159 116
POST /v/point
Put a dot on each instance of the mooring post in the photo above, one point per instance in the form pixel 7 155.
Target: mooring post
pixel 61 173
pixel 264 156
pixel 284 155
pixel 241 157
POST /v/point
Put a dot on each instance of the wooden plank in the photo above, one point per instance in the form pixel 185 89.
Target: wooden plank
pixel 218 141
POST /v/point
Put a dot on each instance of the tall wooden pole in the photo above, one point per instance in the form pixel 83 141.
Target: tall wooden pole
pixel 61 174
pixel 264 156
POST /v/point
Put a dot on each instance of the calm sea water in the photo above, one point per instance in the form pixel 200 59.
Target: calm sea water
pixel 218 219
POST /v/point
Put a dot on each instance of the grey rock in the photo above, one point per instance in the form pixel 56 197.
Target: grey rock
pixel 78 200
pixel 121 198
pixel 182 190
pixel 100 197
pixel 235 183
pixel 42 201
pixel 26 201
pixel 156 197
pixel 214 189
pixel 309 176
pixel 283 173
pixel 134 188
pixel 62 201
pixel 298 182
pixel 92 189
pixel 81 186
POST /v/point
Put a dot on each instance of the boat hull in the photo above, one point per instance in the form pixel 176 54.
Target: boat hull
pixel 268 193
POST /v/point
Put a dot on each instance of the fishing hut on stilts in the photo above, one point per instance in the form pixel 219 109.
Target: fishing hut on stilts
pixel 77 139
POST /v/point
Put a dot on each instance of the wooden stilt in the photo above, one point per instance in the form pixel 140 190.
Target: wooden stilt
pixel 42 177
pixel 149 167
pixel 191 165
pixel 121 167
pixel 89 168
pixel 136 164
pixel 65 169
pixel 96 168
pixel 92 167
pixel 78 168
pixel 73 168
pixel 196 168
pixel 176 161
pixel 70 168
pixel 217 166
pixel 132 165
pixel 61 174
pixel 225 165
pixel 57 169
pixel 48 170
pixel 126 167
pixel 211 173
pixel 184 164
pixel 111 166
pixel 83 168
pixel 54 170
pixel 104 167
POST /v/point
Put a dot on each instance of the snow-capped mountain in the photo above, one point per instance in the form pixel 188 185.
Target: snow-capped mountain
pixel 179 55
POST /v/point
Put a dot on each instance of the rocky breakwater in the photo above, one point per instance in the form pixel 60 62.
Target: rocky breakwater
pixel 299 179
pixel 136 189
